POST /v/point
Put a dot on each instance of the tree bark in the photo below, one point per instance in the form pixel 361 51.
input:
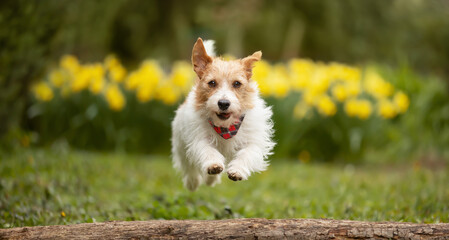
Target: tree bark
pixel 233 229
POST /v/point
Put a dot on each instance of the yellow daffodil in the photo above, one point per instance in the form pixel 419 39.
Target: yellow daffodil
pixel 365 109
pixel 320 80
pixel 352 74
pixel 309 97
pixel 43 92
pixel 280 81
pixel 133 81
pixel 182 76
pixel 301 71
pixel 167 93
pixel 145 80
pixel 81 79
pixel 57 78
pixel 145 92
pixel 114 97
pixel 97 82
pixel 326 106
pixel 375 85
pixel 352 88
pixel 344 73
pixel 70 63
pixel 387 109
pixel 261 72
pixel 339 92
pixel 110 61
pixel 97 85
pixel 401 101
pixel 358 108
pixel 117 73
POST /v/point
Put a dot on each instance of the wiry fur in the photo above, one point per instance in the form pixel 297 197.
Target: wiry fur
pixel 199 153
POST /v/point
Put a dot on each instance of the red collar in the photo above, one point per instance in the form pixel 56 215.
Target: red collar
pixel 230 132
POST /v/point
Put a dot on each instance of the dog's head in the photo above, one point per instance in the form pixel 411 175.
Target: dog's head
pixel 224 90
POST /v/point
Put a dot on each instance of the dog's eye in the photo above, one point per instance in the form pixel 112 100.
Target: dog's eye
pixel 236 84
pixel 212 83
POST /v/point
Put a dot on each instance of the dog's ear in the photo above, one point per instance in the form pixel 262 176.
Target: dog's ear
pixel 200 59
pixel 248 63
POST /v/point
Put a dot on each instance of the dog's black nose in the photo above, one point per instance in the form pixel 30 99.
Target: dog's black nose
pixel 223 104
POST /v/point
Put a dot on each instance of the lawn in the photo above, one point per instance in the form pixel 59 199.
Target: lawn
pixel 46 187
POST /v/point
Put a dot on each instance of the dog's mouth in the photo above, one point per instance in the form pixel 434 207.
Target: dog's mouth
pixel 223 115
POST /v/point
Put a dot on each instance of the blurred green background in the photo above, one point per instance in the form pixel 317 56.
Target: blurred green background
pixel 350 82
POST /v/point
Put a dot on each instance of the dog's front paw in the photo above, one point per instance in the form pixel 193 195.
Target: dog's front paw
pixel 237 172
pixel 234 176
pixel 214 169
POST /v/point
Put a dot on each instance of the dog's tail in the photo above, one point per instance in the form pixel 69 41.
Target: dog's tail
pixel 209 45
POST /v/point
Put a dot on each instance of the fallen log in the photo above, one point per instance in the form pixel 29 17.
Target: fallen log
pixel 233 229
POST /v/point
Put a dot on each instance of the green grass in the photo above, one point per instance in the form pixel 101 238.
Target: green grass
pixel 37 185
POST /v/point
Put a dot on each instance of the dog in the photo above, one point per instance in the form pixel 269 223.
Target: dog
pixel 223 125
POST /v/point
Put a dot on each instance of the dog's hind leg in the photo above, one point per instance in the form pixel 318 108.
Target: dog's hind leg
pixel 192 180
pixel 191 177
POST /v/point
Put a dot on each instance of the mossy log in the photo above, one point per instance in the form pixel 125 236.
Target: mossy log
pixel 233 229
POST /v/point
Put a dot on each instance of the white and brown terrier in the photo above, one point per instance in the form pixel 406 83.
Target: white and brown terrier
pixel 223 123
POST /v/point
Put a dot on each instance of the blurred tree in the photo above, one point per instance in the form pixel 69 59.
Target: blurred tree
pixel 25 27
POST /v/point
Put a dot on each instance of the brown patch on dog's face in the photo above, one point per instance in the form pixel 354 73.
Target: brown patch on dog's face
pixel 242 89
pixel 203 92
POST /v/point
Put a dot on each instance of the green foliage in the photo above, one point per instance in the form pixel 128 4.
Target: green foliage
pixel 22 56
pixel 425 127
pixel 86 121
pixel 41 187
pixel 421 131
pixel 337 137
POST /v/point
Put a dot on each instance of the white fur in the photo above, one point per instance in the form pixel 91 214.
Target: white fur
pixel 209 45
pixel 196 146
